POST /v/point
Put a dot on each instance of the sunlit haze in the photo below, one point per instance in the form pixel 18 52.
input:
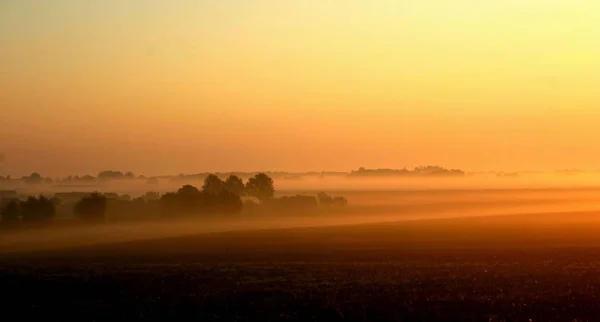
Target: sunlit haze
pixel 161 87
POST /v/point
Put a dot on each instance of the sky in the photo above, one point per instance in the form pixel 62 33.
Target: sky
pixel 187 86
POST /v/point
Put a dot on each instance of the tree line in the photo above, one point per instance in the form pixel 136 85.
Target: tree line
pixel 110 175
pixel 421 171
pixel 216 197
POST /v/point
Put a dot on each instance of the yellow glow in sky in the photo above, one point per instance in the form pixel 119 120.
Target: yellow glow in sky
pixel 186 85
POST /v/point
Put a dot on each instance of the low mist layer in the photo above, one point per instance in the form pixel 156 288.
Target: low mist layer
pixel 365 207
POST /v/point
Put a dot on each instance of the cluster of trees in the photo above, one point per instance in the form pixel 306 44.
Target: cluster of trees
pixel 77 179
pixel 215 197
pixel 190 200
pixel 296 204
pixel 435 171
pixel 115 175
pixel 293 204
pixel 108 175
pixel 36 178
pixel 92 207
pixel 219 196
pixel 33 210
pixel 328 201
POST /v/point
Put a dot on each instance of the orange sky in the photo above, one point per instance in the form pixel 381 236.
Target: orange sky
pixel 187 86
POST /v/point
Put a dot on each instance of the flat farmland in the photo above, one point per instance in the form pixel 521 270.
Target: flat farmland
pixel 520 267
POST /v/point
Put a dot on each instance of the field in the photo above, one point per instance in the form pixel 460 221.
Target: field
pixel 532 261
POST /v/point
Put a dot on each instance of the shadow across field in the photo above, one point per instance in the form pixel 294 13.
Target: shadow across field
pixel 542 267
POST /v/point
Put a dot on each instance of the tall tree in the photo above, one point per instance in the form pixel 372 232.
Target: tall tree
pixel 34 178
pixel 110 175
pixel 35 210
pixel 91 208
pixel 260 186
pixel 235 185
pixel 10 213
pixel 213 184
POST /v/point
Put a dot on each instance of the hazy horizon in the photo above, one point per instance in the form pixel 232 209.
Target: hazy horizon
pixel 496 173
pixel 168 87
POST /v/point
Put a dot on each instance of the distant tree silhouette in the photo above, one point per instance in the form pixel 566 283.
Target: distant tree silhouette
pixel 34 178
pixel 213 184
pixel 188 199
pixel 435 171
pixel 339 202
pixel 87 178
pixel 91 208
pixel 170 203
pixel 10 214
pixel 228 203
pixel 110 175
pixel 111 195
pixel 328 201
pixel 235 185
pixel 188 191
pixel 124 209
pixel 150 195
pixel 324 199
pixel 261 187
pixel 37 210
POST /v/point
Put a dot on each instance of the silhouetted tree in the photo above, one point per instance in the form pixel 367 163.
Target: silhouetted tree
pixel 260 186
pixel 188 199
pixel 188 191
pixel 36 210
pixel 150 195
pixel 10 213
pixel 340 202
pixel 122 209
pixel 91 208
pixel 328 201
pixel 34 178
pixel 235 185
pixel 324 199
pixel 111 195
pixel 418 171
pixel 110 175
pixel 87 178
pixel 169 203
pixel 213 184
pixel 227 202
